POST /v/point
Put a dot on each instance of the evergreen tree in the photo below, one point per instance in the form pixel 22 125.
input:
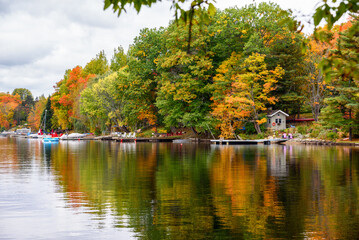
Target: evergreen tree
pixel 343 106
pixel 46 123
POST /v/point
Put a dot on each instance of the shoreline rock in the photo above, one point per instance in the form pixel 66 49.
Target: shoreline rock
pixel 323 142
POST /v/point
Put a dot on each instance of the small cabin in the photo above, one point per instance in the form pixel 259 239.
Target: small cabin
pixel 277 120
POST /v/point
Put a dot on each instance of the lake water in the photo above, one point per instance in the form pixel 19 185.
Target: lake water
pixel 109 190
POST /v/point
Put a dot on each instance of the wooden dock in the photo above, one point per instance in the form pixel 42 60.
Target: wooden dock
pixel 117 139
pixel 249 142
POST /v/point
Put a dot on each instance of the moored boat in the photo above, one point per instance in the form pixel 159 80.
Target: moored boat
pixel 73 136
pixel 50 140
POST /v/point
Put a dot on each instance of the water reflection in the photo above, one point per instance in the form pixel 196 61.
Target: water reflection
pixel 189 191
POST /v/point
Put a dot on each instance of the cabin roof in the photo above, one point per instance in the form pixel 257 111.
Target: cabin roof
pixel 271 114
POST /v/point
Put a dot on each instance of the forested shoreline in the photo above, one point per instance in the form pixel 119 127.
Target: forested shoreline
pixel 239 64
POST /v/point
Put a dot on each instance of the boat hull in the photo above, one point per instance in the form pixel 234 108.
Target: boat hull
pixel 50 140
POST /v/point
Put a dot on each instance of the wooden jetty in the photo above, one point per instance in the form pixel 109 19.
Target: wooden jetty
pixel 117 139
pixel 249 142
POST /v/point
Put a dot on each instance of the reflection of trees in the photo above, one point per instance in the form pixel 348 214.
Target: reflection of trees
pixel 198 192
pixel 240 178
pixel 9 155
pixel 335 201
pixel 183 207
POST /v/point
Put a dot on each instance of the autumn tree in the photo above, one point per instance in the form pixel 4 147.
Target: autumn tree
pixel 34 118
pixel 27 102
pixel 8 105
pixel 243 87
pixel 315 87
pixel 65 100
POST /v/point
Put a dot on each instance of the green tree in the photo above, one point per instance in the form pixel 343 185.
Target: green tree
pixel 342 109
pixel 103 102
pixel 23 93
pixel 98 65
pixel 118 60
pixel 185 79
pixel 142 89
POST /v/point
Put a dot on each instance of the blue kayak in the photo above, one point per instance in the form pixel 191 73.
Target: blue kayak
pixel 50 140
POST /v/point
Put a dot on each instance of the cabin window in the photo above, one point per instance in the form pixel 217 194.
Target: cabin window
pixel 269 120
pixel 279 120
pixel 276 121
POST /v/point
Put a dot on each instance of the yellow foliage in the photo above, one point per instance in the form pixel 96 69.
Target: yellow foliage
pixel 242 88
pixel 263 120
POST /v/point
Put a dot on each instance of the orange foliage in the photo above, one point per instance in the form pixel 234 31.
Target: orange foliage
pixel 149 115
pixel 8 104
pixel 339 29
pixel 34 118
pixel 334 34
pixel 65 100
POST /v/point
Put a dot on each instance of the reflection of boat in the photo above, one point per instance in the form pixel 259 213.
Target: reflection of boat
pixel 182 141
pixel 50 140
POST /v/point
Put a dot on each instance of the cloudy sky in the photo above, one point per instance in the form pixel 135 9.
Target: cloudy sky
pixel 40 39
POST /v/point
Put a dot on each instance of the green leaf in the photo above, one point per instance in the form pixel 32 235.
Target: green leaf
pixel 318 16
pixel 107 4
pixel 211 9
pixel 341 10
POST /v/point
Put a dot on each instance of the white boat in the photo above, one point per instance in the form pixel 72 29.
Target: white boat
pixel 73 136
pixel 5 134
pixel 23 131
pixel 36 135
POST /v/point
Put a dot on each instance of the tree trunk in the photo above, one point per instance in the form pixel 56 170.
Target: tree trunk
pixel 194 130
pixel 315 111
pixel 256 126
